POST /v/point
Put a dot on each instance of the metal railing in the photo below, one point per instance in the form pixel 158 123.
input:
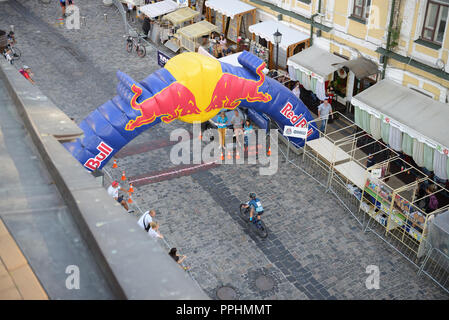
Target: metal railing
pixel 428 260
pixel 436 267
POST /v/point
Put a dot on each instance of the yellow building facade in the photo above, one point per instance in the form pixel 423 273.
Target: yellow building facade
pixel 417 56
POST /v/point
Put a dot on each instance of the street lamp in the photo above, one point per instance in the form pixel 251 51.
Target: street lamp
pixel 277 39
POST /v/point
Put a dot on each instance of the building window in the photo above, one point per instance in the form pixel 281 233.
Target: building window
pixel 361 9
pixel 435 20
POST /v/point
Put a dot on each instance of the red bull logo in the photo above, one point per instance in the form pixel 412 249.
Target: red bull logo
pixel 172 102
pixel 297 121
pixel 231 90
pixel 177 100
pixel 94 163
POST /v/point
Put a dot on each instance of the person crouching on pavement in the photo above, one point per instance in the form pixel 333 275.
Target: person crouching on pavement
pixel 154 230
pixel 113 192
pixel 26 72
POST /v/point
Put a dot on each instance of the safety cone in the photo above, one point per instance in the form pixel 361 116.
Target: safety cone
pixel 222 156
pixel 131 189
pixel 200 137
pixel 130 200
pixel 237 155
pixel 114 165
pixel 269 151
pixel 229 155
pixel 123 176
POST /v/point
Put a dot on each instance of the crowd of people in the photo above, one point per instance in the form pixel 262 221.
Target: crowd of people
pixel 146 221
pixel 242 128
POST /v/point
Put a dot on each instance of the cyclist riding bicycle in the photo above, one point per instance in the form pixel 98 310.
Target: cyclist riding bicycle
pixel 255 205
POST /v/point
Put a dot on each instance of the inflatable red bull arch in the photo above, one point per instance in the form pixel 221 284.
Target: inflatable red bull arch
pixel 191 87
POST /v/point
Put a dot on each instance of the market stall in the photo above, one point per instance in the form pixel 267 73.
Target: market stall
pixel 154 12
pixel 191 37
pixel 313 68
pixel 402 209
pixel 134 2
pixel 176 19
pixel 158 9
pixel 180 16
pixel 233 17
pixel 292 40
pixel 384 193
pixel 408 121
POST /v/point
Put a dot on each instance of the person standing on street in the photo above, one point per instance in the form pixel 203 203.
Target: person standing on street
pixel 297 91
pixel 237 122
pixel 222 124
pixel 324 109
pixel 63 5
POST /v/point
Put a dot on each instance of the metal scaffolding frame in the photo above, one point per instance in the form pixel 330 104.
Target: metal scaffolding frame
pixel 376 197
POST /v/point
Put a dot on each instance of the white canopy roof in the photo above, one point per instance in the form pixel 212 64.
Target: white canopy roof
pixel 419 116
pixel 289 35
pixel 134 2
pixel 159 8
pixel 229 8
pixel 232 59
pixel 315 61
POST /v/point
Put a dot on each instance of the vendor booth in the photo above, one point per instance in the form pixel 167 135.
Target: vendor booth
pixel 154 12
pixel 157 9
pixel 365 75
pixel 313 68
pixel 179 17
pixel 233 17
pixel 174 20
pixel 191 37
pixel 292 41
pixel 134 2
pixel 385 194
pixel 408 121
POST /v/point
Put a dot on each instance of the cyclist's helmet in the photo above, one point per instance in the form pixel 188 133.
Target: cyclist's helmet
pixel 252 195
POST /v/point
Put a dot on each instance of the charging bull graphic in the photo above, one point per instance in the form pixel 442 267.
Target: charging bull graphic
pixel 191 87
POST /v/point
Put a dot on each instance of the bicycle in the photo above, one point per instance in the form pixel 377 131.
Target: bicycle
pixel 135 43
pixel 257 224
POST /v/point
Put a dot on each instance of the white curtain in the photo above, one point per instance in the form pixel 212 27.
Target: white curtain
pixel 375 127
pixel 320 90
pixel 305 81
pixel 418 152
pixel 440 165
pixel 292 73
pixel 395 139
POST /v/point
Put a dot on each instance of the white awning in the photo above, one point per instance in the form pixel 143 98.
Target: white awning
pixel 232 59
pixel 315 61
pixel 134 2
pixel 229 8
pixel 159 8
pixel 267 28
pixel 419 116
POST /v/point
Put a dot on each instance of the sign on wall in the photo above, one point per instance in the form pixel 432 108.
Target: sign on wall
pixel 162 58
pixel 290 131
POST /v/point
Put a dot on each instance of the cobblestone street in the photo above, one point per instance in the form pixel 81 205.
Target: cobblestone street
pixel 314 250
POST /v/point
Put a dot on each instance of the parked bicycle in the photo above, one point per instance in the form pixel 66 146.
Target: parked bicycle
pixel 136 43
pixel 257 225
